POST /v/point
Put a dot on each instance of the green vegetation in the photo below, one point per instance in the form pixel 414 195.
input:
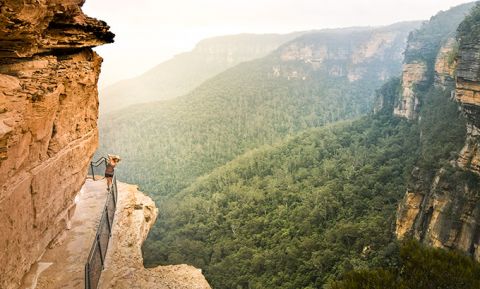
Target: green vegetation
pixel 418 267
pixel 452 55
pixel 294 215
pixel 443 130
pixel 469 30
pixel 427 40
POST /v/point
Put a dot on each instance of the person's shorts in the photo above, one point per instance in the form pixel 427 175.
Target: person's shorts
pixel 108 175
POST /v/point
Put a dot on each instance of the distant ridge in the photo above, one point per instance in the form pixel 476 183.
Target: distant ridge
pixel 185 71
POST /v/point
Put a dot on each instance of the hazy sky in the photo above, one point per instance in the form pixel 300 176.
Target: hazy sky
pixel 151 31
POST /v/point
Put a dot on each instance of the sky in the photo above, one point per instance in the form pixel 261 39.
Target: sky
pixel 149 32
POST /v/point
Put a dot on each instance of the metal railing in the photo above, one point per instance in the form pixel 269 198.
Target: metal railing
pixel 96 259
pixel 96 164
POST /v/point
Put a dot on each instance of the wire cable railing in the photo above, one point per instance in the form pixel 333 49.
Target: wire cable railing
pixel 96 258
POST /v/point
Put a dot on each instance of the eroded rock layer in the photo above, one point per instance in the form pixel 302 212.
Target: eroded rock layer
pixel 468 94
pixel 48 130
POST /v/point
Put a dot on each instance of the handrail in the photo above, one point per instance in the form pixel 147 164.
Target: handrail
pixel 96 258
pixel 97 163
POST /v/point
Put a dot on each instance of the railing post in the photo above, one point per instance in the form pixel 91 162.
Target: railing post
pixel 108 221
pixel 87 276
pixel 93 173
pixel 100 249
pixel 114 192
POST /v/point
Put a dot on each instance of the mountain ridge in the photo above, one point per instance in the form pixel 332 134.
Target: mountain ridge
pixel 183 72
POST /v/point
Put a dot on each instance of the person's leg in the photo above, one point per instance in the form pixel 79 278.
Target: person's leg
pixel 109 182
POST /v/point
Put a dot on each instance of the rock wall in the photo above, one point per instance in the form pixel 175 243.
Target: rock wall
pixel 468 95
pixel 413 74
pixel 48 130
pixel 446 212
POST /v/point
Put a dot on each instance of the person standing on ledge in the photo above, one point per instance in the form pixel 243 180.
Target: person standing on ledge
pixel 112 161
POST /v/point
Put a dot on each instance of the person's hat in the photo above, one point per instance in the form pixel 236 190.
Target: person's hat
pixel 114 157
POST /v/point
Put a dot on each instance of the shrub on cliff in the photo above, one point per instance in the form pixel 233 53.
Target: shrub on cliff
pixel 419 267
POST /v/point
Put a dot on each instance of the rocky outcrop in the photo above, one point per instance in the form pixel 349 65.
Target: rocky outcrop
pixel 445 64
pixel 413 75
pixel 135 215
pixel 48 131
pixel 445 213
pixel 417 75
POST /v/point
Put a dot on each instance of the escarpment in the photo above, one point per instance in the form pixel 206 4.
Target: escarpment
pixel 355 54
pixel 444 211
pixel 48 130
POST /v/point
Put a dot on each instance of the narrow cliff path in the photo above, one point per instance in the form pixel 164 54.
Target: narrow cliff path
pixel 62 266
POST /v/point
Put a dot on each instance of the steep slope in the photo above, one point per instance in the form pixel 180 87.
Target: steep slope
pixel 48 130
pixel 313 80
pixel 441 207
pixel 186 71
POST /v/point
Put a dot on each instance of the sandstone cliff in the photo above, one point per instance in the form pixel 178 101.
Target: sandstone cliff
pixel 48 131
pixel 446 211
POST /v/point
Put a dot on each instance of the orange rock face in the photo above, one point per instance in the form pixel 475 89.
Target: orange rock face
pixel 48 131
pixel 445 213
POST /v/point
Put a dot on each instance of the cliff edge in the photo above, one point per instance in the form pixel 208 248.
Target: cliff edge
pixel 48 123
pixel 134 217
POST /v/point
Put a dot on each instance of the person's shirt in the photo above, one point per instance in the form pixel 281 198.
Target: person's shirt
pixel 110 168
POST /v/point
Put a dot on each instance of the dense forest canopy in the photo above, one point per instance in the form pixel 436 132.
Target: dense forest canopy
pixel 293 215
